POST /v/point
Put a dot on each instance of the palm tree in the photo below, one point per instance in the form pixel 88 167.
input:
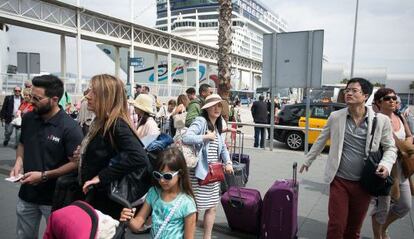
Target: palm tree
pixel 377 84
pixel 344 81
pixel 224 51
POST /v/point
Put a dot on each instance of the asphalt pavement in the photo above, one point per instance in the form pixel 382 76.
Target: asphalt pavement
pixel 266 167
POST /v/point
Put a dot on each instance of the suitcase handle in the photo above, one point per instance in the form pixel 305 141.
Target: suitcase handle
pixel 295 173
pixel 241 144
pixel 239 200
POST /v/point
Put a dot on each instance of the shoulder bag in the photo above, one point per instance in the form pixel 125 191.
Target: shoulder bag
pixel 370 181
pixel 215 174
pixel 131 188
pixel 179 120
pixel 189 151
pixel 406 156
pixel 405 150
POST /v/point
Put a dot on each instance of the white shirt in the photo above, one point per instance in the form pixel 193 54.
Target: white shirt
pixel 16 104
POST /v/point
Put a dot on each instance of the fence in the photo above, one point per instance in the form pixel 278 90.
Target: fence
pixel 9 81
pixel 161 90
pixel 268 126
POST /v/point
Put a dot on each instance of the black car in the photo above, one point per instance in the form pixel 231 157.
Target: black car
pixel 295 115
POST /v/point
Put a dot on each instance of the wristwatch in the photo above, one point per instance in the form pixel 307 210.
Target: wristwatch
pixel 44 176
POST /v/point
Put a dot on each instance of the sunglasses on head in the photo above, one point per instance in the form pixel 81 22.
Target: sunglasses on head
pixel 389 97
pixel 166 176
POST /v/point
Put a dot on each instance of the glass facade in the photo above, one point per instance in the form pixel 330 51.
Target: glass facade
pixel 179 4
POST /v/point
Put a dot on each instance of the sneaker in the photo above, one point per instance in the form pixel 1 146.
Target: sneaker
pixel 5 143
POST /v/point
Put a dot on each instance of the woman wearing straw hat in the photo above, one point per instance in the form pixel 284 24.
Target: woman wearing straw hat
pixel 146 123
pixel 205 133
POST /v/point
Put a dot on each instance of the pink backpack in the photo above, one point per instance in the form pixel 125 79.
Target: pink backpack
pixel 76 221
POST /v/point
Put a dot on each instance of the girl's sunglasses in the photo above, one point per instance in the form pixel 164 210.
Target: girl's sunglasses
pixel 167 176
pixel 389 97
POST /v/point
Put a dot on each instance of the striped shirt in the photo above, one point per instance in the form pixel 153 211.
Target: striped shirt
pixel 207 196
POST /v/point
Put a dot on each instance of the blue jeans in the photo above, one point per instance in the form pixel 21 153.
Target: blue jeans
pixel 28 218
pixel 8 131
pixel 259 132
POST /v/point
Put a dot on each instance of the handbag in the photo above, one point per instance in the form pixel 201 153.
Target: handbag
pixel 179 120
pixel 189 151
pixel 131 189
pixel 370 181
pixel 215 174
pixel 16 121
pixel 406 156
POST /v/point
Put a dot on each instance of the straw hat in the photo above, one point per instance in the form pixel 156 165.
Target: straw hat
pixel 144 102
pixel 212 100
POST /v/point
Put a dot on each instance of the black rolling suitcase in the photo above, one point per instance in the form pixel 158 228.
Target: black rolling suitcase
pixel 241 157
pixel 240 175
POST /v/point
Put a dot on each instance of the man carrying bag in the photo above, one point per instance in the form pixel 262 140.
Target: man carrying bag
pixel 349 131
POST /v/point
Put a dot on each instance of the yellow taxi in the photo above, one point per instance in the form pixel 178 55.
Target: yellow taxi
pixel 294 115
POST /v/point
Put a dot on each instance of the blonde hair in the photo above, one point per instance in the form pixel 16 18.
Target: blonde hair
pixel 27 91
pixel 110 104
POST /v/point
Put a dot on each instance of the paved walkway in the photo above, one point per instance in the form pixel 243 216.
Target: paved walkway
pixel 265 168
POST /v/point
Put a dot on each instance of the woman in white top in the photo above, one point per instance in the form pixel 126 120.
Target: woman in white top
pixel 386 212
pixel 146 123
pixel 179 114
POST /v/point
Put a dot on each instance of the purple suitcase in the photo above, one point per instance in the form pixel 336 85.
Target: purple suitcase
pixel 240 157
pixel 280 209
pixel 242 207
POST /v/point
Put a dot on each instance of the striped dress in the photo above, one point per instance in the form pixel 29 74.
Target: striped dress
pixel 207 196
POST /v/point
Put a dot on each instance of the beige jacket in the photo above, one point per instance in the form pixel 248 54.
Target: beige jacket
pixel 335 131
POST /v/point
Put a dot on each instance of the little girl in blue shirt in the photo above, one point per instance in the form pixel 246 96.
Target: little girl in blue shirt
pixel 171 200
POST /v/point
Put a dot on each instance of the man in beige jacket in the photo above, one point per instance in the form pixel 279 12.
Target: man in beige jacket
pixel 349 131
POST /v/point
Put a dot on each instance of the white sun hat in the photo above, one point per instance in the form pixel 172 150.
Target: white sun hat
pixel 212 100
pixel 144 102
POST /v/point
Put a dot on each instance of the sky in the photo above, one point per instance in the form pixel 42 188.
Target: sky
pixel 385 33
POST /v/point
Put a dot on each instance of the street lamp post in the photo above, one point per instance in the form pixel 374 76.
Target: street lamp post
pixel 353 44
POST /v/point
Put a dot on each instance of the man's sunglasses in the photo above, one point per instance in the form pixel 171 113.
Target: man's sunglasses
pixel 389 97
pixel 167 176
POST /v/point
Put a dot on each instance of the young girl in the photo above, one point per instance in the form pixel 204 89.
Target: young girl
pixel 171 200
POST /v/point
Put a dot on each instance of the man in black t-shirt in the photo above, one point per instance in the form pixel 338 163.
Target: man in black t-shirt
pixel 48 139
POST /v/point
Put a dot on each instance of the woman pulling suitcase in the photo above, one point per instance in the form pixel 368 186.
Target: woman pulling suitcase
pixel 205 134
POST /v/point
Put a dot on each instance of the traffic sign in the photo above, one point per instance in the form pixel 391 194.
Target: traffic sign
pixel 136 61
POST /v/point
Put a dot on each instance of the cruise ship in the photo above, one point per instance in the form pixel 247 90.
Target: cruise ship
pixel 198 20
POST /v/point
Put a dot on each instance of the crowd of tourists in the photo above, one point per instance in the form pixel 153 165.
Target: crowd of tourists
pixel 113 137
